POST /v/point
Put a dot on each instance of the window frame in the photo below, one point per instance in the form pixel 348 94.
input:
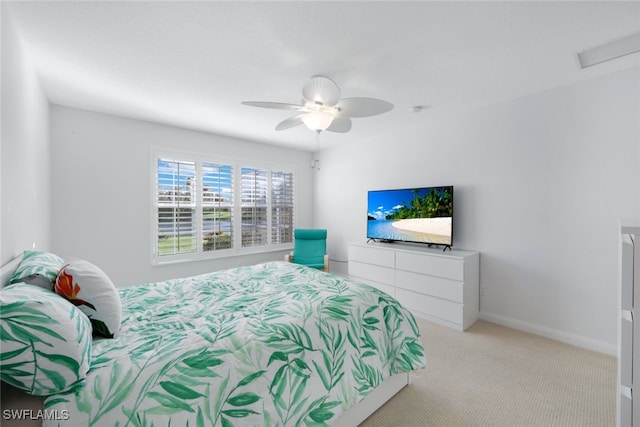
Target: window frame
pixel 237 164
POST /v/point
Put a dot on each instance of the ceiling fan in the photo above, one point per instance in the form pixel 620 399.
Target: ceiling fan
pixel 322 108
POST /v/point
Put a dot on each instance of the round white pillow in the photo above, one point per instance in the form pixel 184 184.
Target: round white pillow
pixel 90 289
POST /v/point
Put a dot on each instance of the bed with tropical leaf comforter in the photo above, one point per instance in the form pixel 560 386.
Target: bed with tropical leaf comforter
pixel 274 344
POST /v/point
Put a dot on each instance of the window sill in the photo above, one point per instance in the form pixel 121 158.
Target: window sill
pixel 186 258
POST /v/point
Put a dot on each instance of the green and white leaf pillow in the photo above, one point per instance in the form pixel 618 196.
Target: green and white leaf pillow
pixel 37 263
pixel 45 340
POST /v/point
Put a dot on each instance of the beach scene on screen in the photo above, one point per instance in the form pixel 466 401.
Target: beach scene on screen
pixel 416 215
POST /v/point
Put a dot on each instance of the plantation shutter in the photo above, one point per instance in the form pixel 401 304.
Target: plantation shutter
pixel 254 207
pixel 176 207
pixel 281 207
pixel 208 209
pixel 217 207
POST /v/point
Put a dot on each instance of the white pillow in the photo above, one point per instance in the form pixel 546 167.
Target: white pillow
pixel 90 289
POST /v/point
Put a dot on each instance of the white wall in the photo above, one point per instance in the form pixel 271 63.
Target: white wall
pixel 102 190
pixel 540 184
pixel 24 151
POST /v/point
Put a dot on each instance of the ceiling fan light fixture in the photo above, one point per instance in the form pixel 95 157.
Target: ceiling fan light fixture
pixel 318 120
pixel 322 107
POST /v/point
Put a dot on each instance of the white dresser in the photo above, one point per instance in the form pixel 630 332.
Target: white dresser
pixel 628 396
pixel 439 286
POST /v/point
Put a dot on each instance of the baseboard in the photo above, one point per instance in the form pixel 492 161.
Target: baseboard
pixel 554 334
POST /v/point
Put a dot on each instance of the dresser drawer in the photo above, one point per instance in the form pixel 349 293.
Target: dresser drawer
pixel 443 309
pixel 440 266
pixel 430 285
pixel 625 407
pixel 626 343
pixel 375 256
pixel 626 274
pixel 370 272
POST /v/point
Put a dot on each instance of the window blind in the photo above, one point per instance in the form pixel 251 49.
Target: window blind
pixel 176 206
pixel 203 206
pixel 281 207
pixel 254 219
pixel 217 206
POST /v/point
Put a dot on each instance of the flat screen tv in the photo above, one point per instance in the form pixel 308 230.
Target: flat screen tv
pixel 418 215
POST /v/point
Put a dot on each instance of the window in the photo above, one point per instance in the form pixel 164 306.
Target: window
pixel 201 205
pixel 176 207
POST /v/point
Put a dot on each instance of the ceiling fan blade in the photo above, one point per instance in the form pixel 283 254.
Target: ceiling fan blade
pixel 290 122
pixel 340 124
pixel 321 90
pixel 362 107
pixel 276 105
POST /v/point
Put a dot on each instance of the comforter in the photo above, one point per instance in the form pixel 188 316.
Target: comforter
pixel 274 344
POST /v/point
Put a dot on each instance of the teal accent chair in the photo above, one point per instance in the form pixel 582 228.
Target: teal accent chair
pixel 310 248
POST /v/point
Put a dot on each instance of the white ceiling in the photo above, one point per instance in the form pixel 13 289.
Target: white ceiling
pixel 191 64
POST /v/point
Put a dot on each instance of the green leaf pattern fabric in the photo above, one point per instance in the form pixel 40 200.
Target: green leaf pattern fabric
pixel 45 341
pixel 37 262
pixel 274 344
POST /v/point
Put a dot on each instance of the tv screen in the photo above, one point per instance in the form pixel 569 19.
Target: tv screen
pixel 420 215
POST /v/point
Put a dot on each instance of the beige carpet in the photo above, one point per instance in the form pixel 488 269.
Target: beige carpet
pixel 494 376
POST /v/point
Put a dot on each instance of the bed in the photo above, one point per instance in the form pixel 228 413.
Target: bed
pixel 273 344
